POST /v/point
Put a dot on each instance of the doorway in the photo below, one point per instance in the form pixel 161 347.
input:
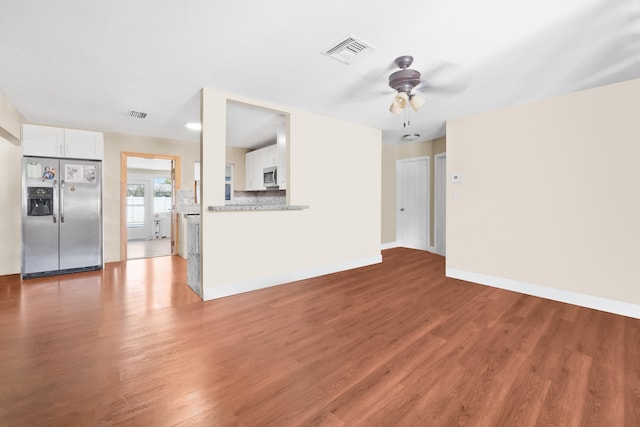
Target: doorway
pixel 412 223
pixel 440 201
pixel 148 221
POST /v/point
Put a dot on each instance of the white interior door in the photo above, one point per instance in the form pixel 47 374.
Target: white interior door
pixel 440 208
pixel 412 230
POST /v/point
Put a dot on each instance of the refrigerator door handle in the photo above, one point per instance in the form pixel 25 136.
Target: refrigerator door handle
pixel 62 200
pixel 55 206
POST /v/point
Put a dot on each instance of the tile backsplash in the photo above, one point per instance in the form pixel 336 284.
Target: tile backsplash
pixel 259 198
pixel 185 202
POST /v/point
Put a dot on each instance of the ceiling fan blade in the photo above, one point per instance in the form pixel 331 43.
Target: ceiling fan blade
pixel 445 78
pixel 373 79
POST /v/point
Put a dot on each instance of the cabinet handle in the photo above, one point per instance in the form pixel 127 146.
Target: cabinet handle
pixel 401 209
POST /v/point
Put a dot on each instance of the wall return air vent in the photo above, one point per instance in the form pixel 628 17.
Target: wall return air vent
pixel 347 48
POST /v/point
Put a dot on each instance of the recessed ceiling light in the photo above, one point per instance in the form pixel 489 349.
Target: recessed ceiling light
pixel 193 126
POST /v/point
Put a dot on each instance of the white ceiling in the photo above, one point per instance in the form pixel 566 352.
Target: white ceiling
pixel 251 127
pixel 85 64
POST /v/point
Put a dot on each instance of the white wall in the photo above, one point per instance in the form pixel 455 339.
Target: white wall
pixel 11 202
pixel 334 168
pixel 550 198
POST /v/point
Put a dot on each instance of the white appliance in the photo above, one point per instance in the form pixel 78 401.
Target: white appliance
pixel 270 177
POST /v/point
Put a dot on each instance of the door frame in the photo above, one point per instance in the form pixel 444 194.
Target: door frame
pixel 440 197
pixel 427 184
pixel 124 156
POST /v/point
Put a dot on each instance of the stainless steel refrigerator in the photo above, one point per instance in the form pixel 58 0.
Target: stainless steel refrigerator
pixel 61 216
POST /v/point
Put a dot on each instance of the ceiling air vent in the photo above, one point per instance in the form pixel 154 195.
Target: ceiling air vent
pixel 347 48
pixel 137 114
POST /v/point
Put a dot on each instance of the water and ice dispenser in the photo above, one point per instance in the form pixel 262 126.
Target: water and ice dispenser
pixel 39 201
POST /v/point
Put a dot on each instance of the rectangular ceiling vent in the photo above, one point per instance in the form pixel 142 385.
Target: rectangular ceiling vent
pixel 137 114
pixel 347 48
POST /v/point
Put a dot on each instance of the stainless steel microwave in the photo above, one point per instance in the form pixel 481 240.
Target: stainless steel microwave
pixel 270 177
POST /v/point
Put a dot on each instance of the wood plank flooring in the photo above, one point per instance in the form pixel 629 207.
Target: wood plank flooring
pixel 148 248
pixel 395 344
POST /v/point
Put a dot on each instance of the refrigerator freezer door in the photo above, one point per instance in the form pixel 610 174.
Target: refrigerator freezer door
pixel 39 232
pixel 80 214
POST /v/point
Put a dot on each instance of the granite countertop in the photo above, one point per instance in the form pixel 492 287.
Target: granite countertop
pixel 237 208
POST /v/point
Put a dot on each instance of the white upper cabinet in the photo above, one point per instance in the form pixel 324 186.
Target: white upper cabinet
pixel 83 144
pixel 45 141
pixel 281 153
pixel 256 161
pixel 253 171
pixel 42 141
pixel 270 156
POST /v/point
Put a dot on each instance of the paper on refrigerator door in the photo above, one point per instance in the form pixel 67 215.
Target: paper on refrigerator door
pixel 80 174
pixel 34 169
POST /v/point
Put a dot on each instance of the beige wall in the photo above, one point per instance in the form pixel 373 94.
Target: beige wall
pixel 11 202
pixel 550 195
pixel 236 156
pixel 392 153
pixel 10 188
pixel 114 144
pixel 341 228
pixel 10 121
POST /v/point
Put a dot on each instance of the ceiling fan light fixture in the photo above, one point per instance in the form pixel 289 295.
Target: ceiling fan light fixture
pixel 410 137
pixel 399 103
pixel 416 102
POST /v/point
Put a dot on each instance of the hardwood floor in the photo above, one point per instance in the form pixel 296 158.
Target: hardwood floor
pixel 395 344
pixel 148 248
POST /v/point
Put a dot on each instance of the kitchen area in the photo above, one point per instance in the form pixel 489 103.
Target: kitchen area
pixel 256 167
pixel 256 159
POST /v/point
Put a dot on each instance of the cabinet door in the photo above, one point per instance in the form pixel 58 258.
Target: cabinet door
pixel 252 163
pixel 270 156
pixel 83 144
pixel 281 152
pixel 42 141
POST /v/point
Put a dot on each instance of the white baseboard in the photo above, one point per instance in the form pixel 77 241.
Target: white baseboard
pixel 583 300
pixel 266 282
pixel 389 245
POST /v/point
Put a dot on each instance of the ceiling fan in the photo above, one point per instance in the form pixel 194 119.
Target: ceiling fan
pixel 440 78
pixel 404 81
